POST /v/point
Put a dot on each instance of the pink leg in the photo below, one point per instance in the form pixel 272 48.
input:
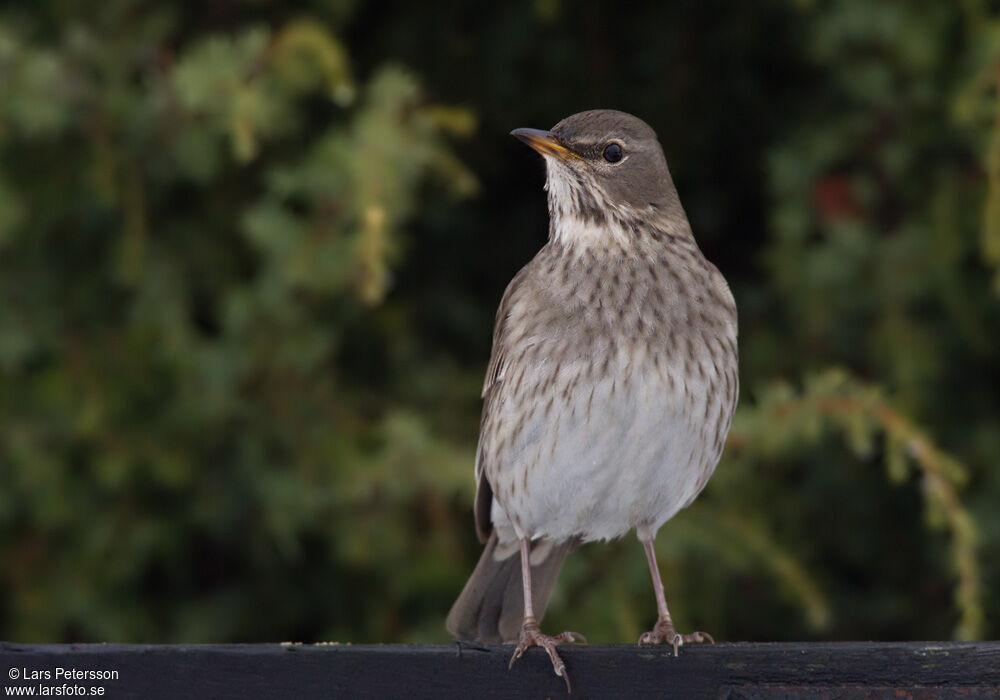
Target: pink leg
pixel 530 634
pixel 663 630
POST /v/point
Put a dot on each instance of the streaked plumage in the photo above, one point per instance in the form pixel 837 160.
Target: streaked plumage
pixel 613 376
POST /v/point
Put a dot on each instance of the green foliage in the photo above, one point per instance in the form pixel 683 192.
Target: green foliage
pixel 978 105
pixel 205 228
pixel 247 279
pixel 835 401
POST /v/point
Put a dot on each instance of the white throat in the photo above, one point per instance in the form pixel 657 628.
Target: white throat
pixel 569 222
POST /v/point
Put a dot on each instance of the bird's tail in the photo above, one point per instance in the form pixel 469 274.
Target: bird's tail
pixel 490 608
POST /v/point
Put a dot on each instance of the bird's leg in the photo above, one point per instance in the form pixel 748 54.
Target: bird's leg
pixel 530 634
pixel 663 630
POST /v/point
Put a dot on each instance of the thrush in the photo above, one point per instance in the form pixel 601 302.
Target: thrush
pixel 611 385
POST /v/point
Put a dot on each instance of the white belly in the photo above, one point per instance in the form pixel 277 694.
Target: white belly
pixel 630 454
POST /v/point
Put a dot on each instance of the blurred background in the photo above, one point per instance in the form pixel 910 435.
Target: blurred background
pixel 250 254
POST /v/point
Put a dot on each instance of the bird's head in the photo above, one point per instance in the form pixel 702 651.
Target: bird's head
pixel 603 168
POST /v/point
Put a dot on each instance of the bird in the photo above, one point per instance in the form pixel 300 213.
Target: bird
pixel 611 385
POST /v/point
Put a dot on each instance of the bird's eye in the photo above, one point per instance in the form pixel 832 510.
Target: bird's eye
pixel 612 153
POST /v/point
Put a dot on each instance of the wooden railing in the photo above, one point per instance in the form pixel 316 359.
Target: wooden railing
pixel 294 671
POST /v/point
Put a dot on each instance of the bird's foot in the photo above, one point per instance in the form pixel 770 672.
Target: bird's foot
pixel 663 632
pixel 531 635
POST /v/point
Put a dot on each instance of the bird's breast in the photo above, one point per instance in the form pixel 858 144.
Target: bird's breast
pixel 618 388
pixel 622 431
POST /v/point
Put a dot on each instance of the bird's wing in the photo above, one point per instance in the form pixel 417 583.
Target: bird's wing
pixel 494 371
pixel 483 507
pixel 494 375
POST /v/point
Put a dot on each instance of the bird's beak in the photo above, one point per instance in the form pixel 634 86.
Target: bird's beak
pixel 544 142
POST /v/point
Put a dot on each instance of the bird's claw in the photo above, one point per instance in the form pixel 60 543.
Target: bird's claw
pixel 664 631
pixel 531 635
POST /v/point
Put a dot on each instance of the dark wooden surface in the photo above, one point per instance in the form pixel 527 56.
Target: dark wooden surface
pixel 840 670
